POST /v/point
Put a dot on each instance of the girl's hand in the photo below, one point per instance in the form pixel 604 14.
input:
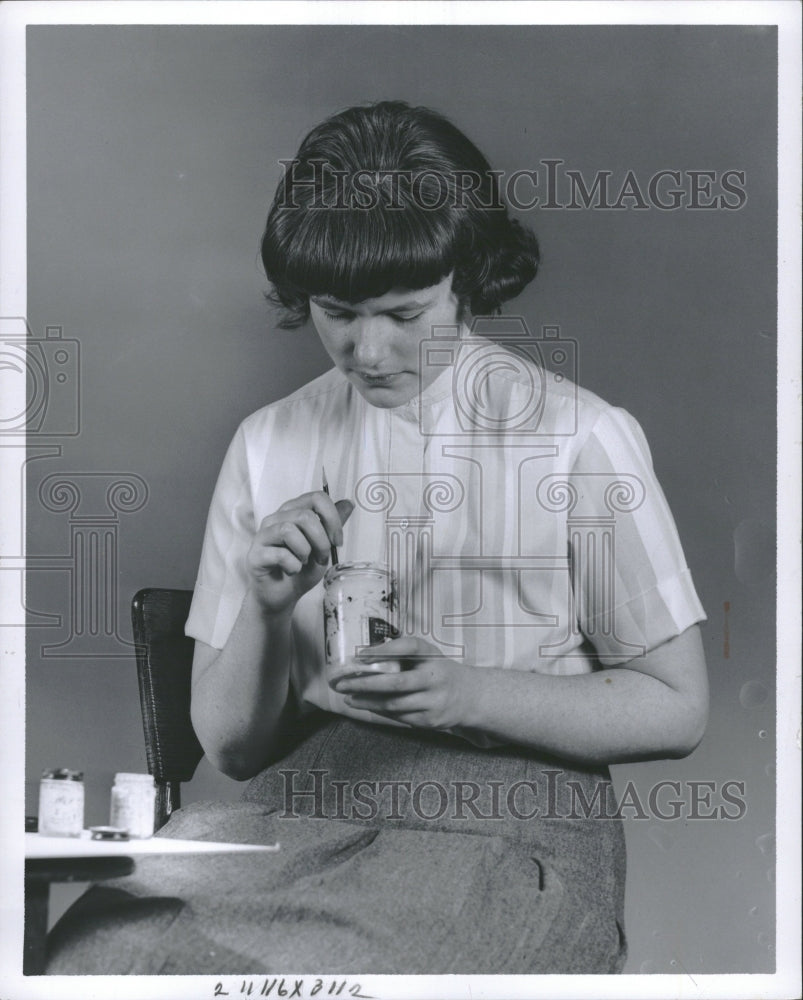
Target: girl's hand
pixel 431 692
pixel 290 551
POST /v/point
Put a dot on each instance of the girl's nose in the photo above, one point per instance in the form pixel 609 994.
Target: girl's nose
pixel 369 343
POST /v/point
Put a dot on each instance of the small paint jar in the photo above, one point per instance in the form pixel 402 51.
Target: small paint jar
pixel 359 611
pixel 133 804
pixel 61 802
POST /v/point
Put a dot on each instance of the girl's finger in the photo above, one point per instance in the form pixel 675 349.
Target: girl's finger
pixel 393 703
pixel 382 683
pixel 311 525
pixel 331 515
pixel 287 535
pixel 406 715
pixel 407 647
pixel 273 557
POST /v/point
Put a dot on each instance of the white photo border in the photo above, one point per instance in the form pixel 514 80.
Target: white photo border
pixel 14 17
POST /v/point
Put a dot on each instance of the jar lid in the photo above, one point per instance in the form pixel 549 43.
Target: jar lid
pixel 63 774
pixel 108 833
pixel 134 778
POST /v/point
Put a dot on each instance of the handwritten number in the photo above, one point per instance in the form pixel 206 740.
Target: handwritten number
pixel 280 988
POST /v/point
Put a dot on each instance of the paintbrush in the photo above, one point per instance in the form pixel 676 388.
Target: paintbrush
pixel 333 549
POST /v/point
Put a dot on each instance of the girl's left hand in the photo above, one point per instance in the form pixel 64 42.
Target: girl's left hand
pixel 431 691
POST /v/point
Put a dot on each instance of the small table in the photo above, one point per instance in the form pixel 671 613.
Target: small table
pixel 81 859
pixel 39 873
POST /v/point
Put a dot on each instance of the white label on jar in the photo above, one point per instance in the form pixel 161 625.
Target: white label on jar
pixel 132 809
pixel 61 807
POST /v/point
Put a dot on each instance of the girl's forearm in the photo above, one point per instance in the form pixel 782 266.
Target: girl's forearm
pixel 612 716
pixel 240 693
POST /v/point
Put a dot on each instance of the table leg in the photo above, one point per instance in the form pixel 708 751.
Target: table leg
pixel 37 895
pixel 39 873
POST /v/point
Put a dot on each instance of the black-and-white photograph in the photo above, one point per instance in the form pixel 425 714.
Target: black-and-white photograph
pixel 397 508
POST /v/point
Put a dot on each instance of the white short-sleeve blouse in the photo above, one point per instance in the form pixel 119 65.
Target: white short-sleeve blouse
pixel 532 530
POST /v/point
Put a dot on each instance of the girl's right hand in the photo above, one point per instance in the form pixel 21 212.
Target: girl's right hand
pixel 290 551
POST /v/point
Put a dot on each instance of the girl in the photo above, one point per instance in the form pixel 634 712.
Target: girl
pixel 449 808
pixel 387 226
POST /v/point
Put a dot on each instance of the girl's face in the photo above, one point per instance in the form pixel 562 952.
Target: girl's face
pixel 375 343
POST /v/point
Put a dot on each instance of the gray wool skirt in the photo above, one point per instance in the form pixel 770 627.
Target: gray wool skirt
pixel 401 852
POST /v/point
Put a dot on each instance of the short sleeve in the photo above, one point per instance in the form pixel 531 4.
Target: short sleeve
pixel 632 587
pixel 222 579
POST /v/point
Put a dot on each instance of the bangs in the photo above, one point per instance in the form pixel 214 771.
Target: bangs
pixel 356 254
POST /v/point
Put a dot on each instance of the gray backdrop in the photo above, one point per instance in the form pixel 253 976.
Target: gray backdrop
pixel 152 158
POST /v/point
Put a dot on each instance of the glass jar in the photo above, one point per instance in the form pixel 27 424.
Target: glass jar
pixel 133 804
pixel 61 802
pixel 359 611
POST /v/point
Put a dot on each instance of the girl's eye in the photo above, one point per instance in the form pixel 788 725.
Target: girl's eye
pixel 341 317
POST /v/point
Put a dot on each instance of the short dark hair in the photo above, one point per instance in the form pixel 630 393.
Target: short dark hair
pixel 389 196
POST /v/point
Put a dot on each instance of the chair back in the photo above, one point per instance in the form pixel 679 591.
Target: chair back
pixel 164 671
